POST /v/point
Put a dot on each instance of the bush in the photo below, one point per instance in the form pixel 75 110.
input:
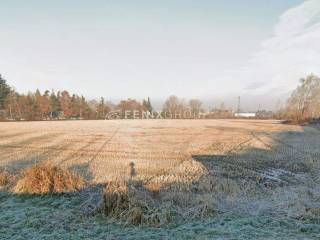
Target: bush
pixel 48 179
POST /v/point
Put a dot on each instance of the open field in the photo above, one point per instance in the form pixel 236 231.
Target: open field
pixel 229 179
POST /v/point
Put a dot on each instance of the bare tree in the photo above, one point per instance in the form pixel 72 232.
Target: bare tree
pixel 195 106
pixel 304 102
pixel 174 106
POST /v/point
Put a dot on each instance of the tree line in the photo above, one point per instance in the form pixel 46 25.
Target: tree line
pixel 51 105
pixel 303 105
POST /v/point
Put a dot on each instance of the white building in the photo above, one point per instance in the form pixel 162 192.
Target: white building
pixel 245 115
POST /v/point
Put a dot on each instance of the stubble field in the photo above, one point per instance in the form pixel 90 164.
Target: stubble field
pixel 227 179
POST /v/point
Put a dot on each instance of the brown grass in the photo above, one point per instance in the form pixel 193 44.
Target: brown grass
pixel 159 171
pixel 116 197
pixel 48 179
pixel 136 203
pixel 132 203
pixel 4 178
pixel 155 147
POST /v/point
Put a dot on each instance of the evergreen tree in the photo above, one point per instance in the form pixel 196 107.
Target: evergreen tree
pixel 4 92
pixel 102 109
pixel 55 105
pixel 147 105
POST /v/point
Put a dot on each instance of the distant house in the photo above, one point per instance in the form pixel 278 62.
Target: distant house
pixel 245 115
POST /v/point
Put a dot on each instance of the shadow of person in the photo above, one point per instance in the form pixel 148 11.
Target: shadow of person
pixel 132 171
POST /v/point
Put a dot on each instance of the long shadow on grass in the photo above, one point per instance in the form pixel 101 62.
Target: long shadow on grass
pixel 275 163
pixel 278 179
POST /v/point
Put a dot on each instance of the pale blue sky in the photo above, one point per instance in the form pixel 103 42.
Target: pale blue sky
pixel 117 49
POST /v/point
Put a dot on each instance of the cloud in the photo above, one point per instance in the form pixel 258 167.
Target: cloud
pixel 291 53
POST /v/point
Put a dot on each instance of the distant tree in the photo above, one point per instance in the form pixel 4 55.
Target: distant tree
pixel 4 92
pixel 65 101
pixel 102 109
pixel 147 105
pixel 27 105
pixel 174 106
pixel 12 106
pixel 304 102
pixel 195 106
pixel 129 105
pixel 93 104
pixel 85 112
pixel 31 108
pixel 44 103
pixel 75 106
pixel 55 105
pixel 37 97
pixel 51 105
pixel 37 115
pixel 82 106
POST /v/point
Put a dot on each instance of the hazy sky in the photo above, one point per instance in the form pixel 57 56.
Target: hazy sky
pixel 213 50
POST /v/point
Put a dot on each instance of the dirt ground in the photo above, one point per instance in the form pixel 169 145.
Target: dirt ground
pixel 261 177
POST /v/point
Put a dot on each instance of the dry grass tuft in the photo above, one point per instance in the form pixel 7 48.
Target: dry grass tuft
pixel 48 179
pixel 132 203
pixel 116 197
pixel 160 200
pixel 4 178
pixel 149 204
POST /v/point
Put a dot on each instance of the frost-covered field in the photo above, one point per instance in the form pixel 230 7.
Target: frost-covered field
pixel 259 179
